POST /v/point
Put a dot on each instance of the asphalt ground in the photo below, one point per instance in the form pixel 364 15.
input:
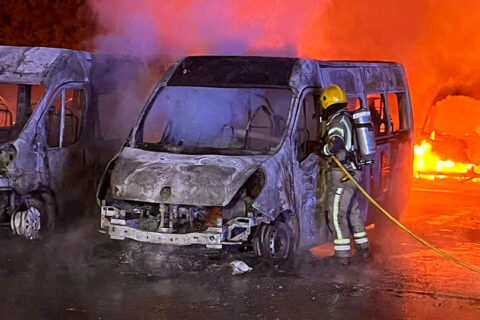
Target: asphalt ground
pixel 81 274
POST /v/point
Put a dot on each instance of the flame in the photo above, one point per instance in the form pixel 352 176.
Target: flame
pixel 428 165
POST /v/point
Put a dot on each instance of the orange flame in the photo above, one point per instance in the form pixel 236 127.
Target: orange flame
pixel 428 165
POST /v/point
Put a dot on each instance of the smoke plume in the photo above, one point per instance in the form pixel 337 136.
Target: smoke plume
pixel 437 41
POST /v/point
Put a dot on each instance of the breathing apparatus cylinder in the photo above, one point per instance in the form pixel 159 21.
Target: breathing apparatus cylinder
pixel 365 136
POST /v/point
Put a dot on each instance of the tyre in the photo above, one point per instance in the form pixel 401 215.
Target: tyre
pixel 32 218
pixel 274 242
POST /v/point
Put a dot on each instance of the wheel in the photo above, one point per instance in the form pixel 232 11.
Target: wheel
pixel 258 240
pixel 26 223
pixel 274 241
pixel 31 219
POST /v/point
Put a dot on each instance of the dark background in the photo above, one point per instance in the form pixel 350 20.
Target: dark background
pixel 49 23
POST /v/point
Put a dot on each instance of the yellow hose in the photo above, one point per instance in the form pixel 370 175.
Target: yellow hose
pixel 398 223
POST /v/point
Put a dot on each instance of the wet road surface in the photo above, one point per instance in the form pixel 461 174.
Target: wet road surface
pixel 80 274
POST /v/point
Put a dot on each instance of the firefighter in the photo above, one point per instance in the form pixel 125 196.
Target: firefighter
pixel 344 210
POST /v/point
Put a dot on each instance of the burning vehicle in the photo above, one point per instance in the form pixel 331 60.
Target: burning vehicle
pixel 446 151
pixel 48 136
pixel 225 153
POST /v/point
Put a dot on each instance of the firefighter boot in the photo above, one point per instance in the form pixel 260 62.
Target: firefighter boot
pixel 363 254
pixel 336 260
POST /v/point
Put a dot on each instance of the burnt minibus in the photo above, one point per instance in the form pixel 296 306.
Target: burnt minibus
pixel 49 135
pixel 224 153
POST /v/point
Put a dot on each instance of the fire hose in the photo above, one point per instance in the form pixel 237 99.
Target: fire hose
pixel 399 224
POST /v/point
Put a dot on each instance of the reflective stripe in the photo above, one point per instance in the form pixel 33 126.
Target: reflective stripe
pixel 341 241
pixel 336 201
pixel 325 150
pixel 335 135
pixel 336 130
pixel 361 240
pixel 348 137
pixel 342 248
pixel 360 234
pixel 333 117
pixel 360 114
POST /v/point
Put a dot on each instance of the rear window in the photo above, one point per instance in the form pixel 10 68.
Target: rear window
pixel 398 108
pixel 376 105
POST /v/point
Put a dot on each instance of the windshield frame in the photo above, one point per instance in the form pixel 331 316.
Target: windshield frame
pixel 136 135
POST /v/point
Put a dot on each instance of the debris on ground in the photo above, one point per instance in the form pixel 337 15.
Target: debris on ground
pixel 239 267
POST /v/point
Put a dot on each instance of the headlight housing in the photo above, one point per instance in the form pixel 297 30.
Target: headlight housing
pixel 7 155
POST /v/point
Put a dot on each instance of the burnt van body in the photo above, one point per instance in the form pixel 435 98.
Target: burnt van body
pixel 225 153
pixel 48 136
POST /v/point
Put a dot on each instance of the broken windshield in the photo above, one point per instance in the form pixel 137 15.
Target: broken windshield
pixel 17 102
pixel 216 120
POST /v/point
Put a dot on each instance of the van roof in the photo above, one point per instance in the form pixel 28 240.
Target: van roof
pixel 37 65
pixel 294 73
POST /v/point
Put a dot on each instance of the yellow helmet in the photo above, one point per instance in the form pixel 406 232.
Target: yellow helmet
pixel 333 95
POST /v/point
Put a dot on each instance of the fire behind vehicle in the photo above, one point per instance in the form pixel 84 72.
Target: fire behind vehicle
pixel 224 153
pixel 48 135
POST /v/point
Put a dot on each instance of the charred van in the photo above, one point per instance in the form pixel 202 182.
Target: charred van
pixel 48 135
pixel 225 152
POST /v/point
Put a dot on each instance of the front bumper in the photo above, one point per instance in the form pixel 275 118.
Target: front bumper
pixel 210 238
pixel 115 224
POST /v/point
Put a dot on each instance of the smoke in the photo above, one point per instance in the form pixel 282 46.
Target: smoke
pixel 183 27
pixel 437 41
pixel 153 34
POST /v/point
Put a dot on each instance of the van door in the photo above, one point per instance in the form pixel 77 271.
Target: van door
pixel 401 143
pixel 68 142
pixel 380 173
pixel 391 171
pixel 312 220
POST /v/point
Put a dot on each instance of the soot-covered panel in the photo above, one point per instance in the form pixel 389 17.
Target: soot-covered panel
pixel 216 71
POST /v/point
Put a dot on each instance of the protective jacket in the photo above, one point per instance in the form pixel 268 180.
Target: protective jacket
pixel 339 140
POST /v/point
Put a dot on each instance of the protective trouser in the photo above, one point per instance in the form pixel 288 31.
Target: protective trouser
pixel 344 213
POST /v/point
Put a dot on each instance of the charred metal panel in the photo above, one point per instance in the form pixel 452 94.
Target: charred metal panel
pixel 399 76
pixel 277 194
pixel 347 79
pixel 29 65
pixel 27 172
pixel 36 65
pixel 311 199
pixel 373 79
pixel 305 73
pixel 210 180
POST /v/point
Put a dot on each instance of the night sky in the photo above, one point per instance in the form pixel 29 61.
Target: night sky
pixel 65 23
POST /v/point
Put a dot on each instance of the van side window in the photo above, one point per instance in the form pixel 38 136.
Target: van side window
pixel 397 105
pixel 376 105
pixel 307 129
pixel 70 104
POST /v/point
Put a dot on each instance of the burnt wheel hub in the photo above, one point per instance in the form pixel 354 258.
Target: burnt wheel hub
pixel 26 223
